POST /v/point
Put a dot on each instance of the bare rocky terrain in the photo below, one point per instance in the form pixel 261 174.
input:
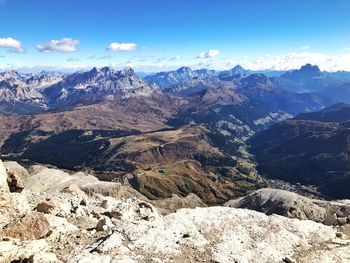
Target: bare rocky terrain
pixel 49 215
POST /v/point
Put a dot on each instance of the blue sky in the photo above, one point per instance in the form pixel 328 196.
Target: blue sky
pixel 153 35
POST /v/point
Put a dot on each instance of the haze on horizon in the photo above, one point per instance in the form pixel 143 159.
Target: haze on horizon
pixel 158 35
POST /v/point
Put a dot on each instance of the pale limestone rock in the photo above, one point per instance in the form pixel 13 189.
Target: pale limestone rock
pixel 3 179
pixel 217 233
pixel 35 250
pixel 16 169
pixel 44 179
pixel 59 226
pixel 16 174
pixel 54 206
pixel 292 205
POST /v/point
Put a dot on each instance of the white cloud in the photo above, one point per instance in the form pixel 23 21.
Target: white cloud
pixel 297 59
pixel 347 48
pixel 64 45
pixel 209 53
pixel 11 43
pixel 306 47
pixel 117 47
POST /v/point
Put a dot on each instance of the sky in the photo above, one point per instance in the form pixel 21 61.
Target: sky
pixel 155 35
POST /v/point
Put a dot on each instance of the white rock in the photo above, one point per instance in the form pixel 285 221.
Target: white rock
pixel 216 234
pixel 11 250
pixel 59 225
pixel 3 179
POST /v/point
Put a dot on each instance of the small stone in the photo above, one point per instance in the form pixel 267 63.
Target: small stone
pixel 342 220
pixel 104 224
pixel 45 207
pixel 104 204
pixel 80 212
pixel 288 260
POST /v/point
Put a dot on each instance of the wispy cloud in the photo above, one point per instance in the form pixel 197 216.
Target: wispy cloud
pixel 306 47
pixel 210 53
pixel 64 45
pixel 99 57
pixel 11 44
pixel 159 60
pixel 174 58
pixel 73 59
pixel 104 57
pixel 118 47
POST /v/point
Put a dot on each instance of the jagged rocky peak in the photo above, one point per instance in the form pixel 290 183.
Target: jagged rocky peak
pixel 10 74
pixel 98 83
pixel 304 74
pixel 237 69
pixel 14 90
pixel 169 78
pixel 184 70
pixel 128 71
pixel 310 68
pixel 233 73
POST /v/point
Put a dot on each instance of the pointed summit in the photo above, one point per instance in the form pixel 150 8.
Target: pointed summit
pixel 304 74
pixel 238 70
pixel 184 70
pixel 233 73
pixel 93 71
pixel 310 68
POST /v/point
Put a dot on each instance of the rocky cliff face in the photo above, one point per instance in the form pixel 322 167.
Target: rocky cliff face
pixel 61 217
pixel 27 93
pixel 97 84
pixel 16 96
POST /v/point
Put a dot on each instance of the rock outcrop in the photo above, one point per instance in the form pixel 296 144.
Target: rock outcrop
pixel 292 205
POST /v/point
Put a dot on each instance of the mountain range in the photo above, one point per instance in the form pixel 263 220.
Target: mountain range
pixel 182 131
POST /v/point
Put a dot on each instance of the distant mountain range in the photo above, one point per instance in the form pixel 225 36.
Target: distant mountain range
pixel 32 93
pixel 192 124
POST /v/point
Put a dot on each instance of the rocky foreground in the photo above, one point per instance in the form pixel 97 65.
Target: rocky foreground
pixel 48 215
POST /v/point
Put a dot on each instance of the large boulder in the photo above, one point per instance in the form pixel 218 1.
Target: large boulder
pixel 16 174
pixel 16 169
pixel 43 179
pixel 32 226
